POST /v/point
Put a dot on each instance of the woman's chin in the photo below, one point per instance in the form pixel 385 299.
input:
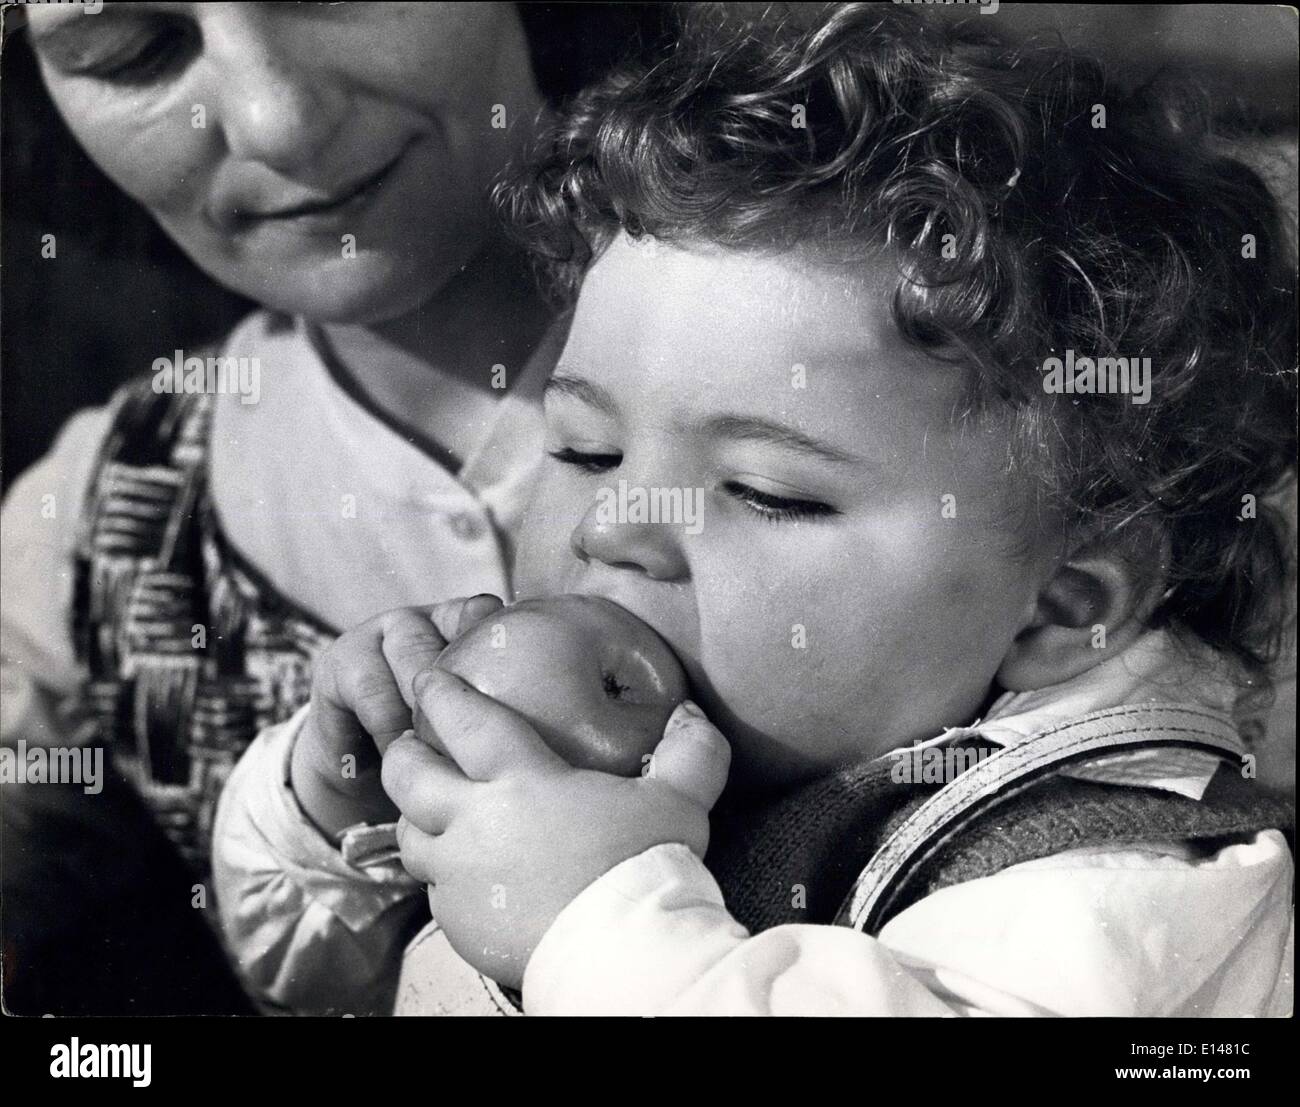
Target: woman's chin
pixel 361 290
pixel 352 299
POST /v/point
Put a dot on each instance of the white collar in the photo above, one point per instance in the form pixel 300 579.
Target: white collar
pixel 1155 668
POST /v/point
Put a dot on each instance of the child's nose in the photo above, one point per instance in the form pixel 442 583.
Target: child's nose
pixel 651 548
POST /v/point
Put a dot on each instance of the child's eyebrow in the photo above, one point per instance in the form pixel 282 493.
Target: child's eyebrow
pixel 749 428
pixel 753 429
pixel 593 395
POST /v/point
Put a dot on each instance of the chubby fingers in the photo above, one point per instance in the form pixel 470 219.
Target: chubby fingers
pixel 411 638
pixel 453 618
pixel 693 757
pixel 410 642
pixel 361 685
pixel 425 787
pixel 484 737
pixel 421 853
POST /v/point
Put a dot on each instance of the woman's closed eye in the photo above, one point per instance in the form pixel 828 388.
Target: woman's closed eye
pixel 138 58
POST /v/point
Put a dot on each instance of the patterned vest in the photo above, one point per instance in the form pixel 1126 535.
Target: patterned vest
pixel 190 652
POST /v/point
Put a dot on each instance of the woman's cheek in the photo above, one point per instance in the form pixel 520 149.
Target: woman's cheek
pixel 153 151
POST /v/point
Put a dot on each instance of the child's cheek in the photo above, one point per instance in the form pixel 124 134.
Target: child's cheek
pixel 544 560
pixel 793 648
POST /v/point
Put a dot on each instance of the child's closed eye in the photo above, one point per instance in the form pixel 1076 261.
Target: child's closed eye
pixel 765 505
pixel 587 462
pixel 777 509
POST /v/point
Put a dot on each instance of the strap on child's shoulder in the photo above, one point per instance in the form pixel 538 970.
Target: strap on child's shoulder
pixel 1005 774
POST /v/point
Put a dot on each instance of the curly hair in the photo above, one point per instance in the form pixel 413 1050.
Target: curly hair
pixel 1032 209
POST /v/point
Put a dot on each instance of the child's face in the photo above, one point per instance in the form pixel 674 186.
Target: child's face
pixel 849 583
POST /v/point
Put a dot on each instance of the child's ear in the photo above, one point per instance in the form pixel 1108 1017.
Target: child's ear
pixel 1092 606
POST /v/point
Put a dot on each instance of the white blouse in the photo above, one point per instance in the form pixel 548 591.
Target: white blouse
pixel 339 511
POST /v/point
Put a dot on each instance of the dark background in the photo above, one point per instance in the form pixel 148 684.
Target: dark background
pixel 72 328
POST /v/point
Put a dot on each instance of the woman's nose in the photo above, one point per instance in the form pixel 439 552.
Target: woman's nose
pixel 654 549
pixel 275 107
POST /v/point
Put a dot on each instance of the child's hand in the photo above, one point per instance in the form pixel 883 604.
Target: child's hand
pixel 361 700
pixel 507 833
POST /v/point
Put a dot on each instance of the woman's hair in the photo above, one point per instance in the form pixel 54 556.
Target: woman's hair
pixel 1033 210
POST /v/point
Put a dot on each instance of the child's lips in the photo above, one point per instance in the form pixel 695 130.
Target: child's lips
pixel 643 610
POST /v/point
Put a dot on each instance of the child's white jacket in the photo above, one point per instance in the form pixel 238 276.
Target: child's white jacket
pixel 1152 930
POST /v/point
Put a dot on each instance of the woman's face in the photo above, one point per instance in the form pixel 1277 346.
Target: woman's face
pixel 332 160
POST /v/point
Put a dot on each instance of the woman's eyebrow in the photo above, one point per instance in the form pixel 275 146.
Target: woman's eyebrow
pixel 64 23
pixel 56 25
pixel 750 428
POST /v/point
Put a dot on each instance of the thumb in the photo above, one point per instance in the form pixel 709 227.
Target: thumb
pixel 693 757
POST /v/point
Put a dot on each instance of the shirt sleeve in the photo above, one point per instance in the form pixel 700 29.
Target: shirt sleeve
pixel 1140 932
pixel 39 526
pixel 315 927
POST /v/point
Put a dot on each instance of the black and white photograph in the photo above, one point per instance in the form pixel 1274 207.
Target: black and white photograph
pixel 679 509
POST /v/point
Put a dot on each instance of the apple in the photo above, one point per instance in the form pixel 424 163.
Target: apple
pixel 596 682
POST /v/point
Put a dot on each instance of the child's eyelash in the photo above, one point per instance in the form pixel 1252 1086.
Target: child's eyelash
pixel 588 463
pixel 777 509
pixel 772 509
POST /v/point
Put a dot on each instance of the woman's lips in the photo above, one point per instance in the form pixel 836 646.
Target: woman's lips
pixel 324 213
